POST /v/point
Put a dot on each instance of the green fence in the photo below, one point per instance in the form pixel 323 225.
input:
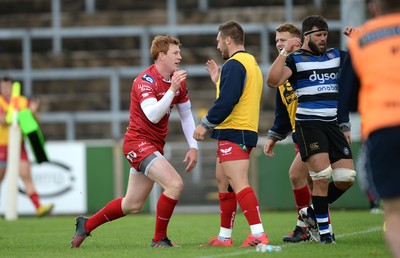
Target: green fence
pixel 100 176
pixel 271 179
pixel 274 189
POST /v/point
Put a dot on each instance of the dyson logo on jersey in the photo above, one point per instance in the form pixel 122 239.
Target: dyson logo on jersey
pixel 322 77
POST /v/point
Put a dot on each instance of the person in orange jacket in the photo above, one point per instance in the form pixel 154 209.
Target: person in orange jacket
pixel 370 83
pixel 25 166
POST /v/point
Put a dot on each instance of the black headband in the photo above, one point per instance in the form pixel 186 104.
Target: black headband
pixel 314 30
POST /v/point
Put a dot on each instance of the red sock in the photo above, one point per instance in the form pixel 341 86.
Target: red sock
pixel 228 206
pixel 165 208
pixel 35 200
pixel 111 211
pixel 371 198
pixel 302 198
pixel 249 204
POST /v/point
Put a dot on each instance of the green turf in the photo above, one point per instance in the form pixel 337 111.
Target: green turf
pixel 358 234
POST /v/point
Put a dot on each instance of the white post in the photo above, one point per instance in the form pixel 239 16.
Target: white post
pixel 13 166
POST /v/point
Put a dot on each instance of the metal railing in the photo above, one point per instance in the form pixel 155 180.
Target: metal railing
pixel 115 115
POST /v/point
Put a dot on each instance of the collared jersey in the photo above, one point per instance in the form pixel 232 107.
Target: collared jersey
pixel 236 110
pixel 315 80
pixel 375 56
pixel 151 84
pixel 4 106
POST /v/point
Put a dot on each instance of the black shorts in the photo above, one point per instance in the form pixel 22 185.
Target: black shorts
pixel 382 156
pixel 317 136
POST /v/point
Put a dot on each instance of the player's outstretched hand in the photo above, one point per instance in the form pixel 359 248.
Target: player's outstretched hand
pixel 213 70
pixel 269 148
pixel 190 156
pixel 177 78
pixel 350 31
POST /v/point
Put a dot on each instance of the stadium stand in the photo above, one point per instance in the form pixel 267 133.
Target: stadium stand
pixel 72 95
pixel 80 57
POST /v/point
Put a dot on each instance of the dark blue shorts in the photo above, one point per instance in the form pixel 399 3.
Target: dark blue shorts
pixel 382 164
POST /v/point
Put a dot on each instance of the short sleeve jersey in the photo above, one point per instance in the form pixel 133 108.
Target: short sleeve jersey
pixel 315 80
pixel 151 84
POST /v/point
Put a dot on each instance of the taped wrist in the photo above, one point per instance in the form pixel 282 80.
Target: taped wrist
pixel 284 53
pixel 345 127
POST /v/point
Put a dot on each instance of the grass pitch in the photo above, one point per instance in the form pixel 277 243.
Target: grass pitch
pixel 358 234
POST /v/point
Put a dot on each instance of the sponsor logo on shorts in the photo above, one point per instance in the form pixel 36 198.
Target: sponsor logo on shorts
pixel 346 151
pixel 131 155
pixel 243 147
pixel 314 146
pixel 227 151
pixel 145 148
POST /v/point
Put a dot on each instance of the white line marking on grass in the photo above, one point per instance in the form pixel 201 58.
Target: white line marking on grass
pixel 252 250
pixel 230 254
pixel 369 230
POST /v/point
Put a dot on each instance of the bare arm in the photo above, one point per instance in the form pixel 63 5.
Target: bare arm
pixel 278 73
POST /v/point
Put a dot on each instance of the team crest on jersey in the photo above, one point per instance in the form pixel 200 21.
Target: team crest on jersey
pixel 331 55
pixel 148 78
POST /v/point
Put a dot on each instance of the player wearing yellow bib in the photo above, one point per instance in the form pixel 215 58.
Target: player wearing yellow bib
pixel 234 123
pixel 284 124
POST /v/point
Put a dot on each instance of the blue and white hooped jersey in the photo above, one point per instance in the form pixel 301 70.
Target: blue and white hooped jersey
pixel 315 81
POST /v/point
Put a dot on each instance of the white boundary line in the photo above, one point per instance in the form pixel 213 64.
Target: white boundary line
pixel 368 230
